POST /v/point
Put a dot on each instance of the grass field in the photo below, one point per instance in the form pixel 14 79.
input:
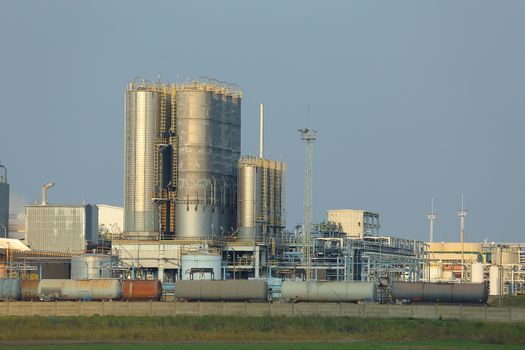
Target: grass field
pixel 436 345
pixel 177 330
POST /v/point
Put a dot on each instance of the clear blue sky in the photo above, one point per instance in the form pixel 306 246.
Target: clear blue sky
pixel 412 99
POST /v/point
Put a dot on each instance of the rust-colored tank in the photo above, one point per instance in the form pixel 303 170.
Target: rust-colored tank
pixel 141 290
pixel 30 289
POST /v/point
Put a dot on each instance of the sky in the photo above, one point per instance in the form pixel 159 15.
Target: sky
pixel 411 99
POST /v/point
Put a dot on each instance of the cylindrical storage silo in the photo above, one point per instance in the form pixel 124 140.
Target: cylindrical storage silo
pixel 249 205
pixel 141 290
pixel 201 266
pixel 92 266
pixel 495 280
pixel 328 291
pixel 226 290
pixel 10 289
pixel 477 273
pixel 143 112
pixel 208 144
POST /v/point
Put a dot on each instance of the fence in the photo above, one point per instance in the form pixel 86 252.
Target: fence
pixel 151 308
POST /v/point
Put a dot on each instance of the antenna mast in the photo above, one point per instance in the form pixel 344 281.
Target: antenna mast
pixel 308 136
pixel 431 219
pixel 462 213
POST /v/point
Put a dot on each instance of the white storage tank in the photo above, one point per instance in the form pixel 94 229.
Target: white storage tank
pixel 201 266
pixel 92 266
pixel 436 273
pixel 495 281
pixel 477 273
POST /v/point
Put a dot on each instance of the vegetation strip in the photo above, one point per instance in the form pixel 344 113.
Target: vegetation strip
pixel 177 329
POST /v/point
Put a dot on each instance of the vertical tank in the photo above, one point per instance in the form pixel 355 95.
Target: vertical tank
pixel 260 198
pixel 477 273
pixel 143 110
pixel 92 266
pixel 201 266
pixel 4 202
pixel 206 178
pixel 494 280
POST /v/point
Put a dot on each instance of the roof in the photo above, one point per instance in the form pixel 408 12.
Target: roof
pixel 11 243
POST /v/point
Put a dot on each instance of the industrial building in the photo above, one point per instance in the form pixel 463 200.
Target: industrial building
pixel 4 202
pixel 196 209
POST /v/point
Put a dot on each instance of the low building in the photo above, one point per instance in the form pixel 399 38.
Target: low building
pixel 355 223
pixel 61 228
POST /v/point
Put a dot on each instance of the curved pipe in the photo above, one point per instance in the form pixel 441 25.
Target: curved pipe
pixel 45 188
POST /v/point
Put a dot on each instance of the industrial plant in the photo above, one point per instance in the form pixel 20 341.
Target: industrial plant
pixel 203 221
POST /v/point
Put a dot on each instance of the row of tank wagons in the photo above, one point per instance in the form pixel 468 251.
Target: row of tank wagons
pixel 447 293
pixel 65 289
pixel 291 291
pixel 327 291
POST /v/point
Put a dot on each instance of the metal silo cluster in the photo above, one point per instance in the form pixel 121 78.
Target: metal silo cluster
pixel 182 146
pixel 261 198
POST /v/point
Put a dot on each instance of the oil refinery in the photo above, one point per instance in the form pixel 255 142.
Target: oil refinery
pixel 202 221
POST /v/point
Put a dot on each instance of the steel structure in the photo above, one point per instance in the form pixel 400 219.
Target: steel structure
pixel 432 217
pixel 4 202
pixel 308 136
pixel 461 214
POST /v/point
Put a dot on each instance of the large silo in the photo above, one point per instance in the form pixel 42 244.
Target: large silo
pixel 206 177
pixel 4 202
pixel 260 198
pixel 143 112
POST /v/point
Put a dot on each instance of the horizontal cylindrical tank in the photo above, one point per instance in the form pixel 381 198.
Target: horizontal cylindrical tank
pixel 10 289
pixel 477 273
pixel 328 291
pixel 102 289
pixel 91 266
pixel 201 266
pixel 141 290
pixel 226 290
pixel 30 289
pixel 495 280
pixel 467 293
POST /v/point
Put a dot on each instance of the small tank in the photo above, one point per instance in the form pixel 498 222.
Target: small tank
pixel 327 291
pixel 141 290
pixel 201 266
pixel 91 266
pixel 10 289
pixel 226 290
pixel 461 293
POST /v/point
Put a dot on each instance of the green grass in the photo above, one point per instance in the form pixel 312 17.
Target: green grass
pixel 109 329
pixel 436 345
pixel 514 301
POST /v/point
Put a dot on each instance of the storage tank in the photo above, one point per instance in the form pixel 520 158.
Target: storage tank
pixel 201 266
pixel 226 290
pixel 260 198
pixel 141 290
pixel 10 289
pixel 468 293
pixel 436 273
pixel 4 203
pixel 102 289
pixel 92 266
pixel 494 280
pixel 327 291
pixel 478 273
pixel 206 178
pixel 143 112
